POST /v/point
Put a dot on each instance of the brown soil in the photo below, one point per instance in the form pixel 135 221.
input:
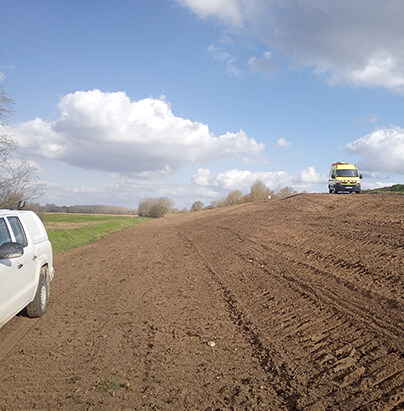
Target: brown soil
pixel 286 304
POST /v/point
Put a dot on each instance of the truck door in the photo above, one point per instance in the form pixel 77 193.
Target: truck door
pixel 17 275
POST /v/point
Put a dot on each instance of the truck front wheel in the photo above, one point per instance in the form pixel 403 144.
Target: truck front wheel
pixel 37 307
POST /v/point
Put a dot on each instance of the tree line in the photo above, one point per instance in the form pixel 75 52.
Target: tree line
pixel 258 192
pixel 158 207
pixel 84 209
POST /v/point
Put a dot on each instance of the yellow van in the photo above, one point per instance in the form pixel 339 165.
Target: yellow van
pixel 344 177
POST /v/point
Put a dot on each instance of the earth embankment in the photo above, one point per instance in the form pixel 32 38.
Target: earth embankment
pixel 286 304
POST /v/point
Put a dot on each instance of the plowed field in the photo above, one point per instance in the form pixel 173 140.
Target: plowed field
pixel 285 304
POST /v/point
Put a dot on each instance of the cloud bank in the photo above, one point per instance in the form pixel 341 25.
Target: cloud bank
pixel 108 131
pixel 382 150
pixel 243 179
pixel 357 42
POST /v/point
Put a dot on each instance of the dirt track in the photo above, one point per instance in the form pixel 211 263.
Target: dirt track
pixel 302 297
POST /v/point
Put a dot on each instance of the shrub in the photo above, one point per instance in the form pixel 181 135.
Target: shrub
pixel 234 197
pixel 217 203
pixel 154 207
pixel 286 191
pixel 197 206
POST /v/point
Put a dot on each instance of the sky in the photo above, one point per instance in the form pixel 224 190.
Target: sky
pixel 117 101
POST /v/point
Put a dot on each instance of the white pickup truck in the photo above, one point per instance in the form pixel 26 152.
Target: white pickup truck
pixel 26 265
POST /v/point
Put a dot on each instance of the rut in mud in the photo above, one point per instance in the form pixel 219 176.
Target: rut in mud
pixel 286 304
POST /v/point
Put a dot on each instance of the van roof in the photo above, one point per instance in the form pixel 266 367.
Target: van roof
pixel 340 164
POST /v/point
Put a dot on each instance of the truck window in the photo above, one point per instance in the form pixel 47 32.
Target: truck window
pixel 4 234
pixel 347 173
pixel 18 231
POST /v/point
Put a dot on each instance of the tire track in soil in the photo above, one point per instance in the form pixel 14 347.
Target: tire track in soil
pixel 277 378
pixel 351 356
pixel 331 285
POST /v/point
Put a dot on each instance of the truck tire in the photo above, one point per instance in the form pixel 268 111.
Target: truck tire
pixel 37 307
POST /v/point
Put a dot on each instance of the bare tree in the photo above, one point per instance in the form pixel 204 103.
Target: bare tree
pixel 5 107
pixel 259 191
pixel 18 180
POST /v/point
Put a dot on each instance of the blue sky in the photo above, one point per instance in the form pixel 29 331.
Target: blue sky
pixel 116 101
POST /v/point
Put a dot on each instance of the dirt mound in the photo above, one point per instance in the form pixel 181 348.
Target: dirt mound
pixel 286 304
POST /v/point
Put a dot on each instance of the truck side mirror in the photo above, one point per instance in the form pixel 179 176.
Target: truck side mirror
pixel 360 176
pixel 11 250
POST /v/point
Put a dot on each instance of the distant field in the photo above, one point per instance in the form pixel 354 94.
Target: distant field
pixel 67 231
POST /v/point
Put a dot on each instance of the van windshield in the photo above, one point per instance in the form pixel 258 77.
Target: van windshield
pixel 347 173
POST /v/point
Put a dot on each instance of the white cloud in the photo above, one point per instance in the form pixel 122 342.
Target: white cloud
pixel 369 119
pixel 201 177
pixel 2 76
pixel 358 42
pixel 108 131
pixel 226 10
pixel 243 179
pixel 379 70
pixel 283 143
pixel 264 64
pixel 218 53
pixel 382 150
pixel 310 175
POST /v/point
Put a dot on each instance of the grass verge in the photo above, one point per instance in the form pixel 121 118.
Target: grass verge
pixel 394 189
pixel 89 228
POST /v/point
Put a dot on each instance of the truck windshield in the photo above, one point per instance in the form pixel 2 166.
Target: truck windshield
pixel 347 173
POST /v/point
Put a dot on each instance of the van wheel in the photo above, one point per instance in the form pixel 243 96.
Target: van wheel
pixel 37 307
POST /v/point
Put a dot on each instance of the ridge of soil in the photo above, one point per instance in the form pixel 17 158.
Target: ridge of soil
pixel 285 304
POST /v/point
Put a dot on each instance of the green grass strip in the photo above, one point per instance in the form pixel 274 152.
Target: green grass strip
pixel 394 189
pixel 75 237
